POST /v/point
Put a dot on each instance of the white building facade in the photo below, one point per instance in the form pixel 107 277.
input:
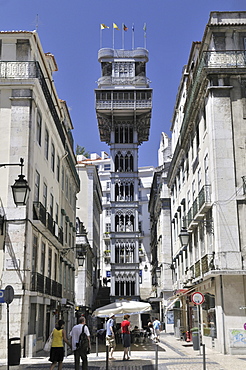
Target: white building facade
pixel 103 163
pixel 207 183
pixel 123 108
pixel 89 209
pixel 35 251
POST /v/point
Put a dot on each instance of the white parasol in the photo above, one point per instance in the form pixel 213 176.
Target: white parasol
pixel 120 308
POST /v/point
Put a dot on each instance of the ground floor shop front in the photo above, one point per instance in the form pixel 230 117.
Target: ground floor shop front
pixel 220 320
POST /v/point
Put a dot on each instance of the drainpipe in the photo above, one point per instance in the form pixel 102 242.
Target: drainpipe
pixel 223 316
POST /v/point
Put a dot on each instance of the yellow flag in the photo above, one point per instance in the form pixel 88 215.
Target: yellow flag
pixel 103 26
pixel 115 26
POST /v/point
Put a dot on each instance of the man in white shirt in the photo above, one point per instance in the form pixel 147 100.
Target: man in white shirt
pixel 78 353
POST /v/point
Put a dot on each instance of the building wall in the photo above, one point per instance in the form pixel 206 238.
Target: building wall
pixel 205 179
pixel 34 259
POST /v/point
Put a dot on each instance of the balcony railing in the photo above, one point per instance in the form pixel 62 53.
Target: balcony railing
pixel 204 196
pixel 225 59
pixel 124 104
pixel 43 284
pixel 203 199
pixel 18 70
pixel 40 213
pixel 137 80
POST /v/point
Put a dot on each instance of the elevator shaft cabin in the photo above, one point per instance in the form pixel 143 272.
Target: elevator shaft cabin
pixel 123 108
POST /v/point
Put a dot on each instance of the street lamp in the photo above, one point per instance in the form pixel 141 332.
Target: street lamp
pixel 184 237
pixel 81 246
pixel 20 189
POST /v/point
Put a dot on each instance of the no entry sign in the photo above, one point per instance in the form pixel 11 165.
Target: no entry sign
pixel 197 298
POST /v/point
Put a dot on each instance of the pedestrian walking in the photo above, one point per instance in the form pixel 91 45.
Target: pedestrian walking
pixel 110 336
pixel 157 329
pixel 57 348
pixel 78 352
pixel 126 338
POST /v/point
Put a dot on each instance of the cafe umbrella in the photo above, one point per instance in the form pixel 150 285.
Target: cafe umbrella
pixel 122 307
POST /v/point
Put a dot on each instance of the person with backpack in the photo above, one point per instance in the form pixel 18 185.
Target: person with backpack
pixel 80 343
pixel 57 349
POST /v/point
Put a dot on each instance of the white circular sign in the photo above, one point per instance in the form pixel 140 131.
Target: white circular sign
pixel 197 298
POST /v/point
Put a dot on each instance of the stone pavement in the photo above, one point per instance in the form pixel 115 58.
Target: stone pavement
pixel 173 354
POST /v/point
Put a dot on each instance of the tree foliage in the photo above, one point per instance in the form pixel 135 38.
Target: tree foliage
pixel 80 150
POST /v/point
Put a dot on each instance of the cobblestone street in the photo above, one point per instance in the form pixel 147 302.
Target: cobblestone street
pixel 172 354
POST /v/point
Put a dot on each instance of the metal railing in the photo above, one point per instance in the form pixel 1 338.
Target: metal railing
pixel 40 213
pixel 123 104
pixel 202 198
pixel 43 284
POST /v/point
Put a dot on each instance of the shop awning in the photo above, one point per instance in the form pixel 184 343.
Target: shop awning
pixel 171 302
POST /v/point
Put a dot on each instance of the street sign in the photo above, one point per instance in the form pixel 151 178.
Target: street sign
pixel 8 294
pixel 197 298
pixel 1 296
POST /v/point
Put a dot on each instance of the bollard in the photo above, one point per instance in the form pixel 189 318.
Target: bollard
pixel 156 356
pixel 203 357
pixel 107 353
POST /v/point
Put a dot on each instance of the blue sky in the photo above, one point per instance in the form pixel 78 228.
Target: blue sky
pixel 71 31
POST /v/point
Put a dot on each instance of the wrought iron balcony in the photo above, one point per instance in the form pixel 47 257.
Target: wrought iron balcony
pixel 40 214
pixel 43 284
pixel 200 205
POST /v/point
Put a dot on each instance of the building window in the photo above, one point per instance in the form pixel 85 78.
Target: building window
pixel 39 128
pixel 34 253
pixel 63 179
pixel 51 204
pixel 52 157
pixel 108 227
pixel 108 197
pixel 45 190
pixel 46 144
pixel 36 187
pixel 66 184
pixel 108 211
pixel 58 168
pixel 107 167
pixel 49 263
pixel 42 262
pixel 108 184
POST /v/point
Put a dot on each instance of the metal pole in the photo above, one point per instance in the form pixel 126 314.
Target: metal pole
pixel 156 356
pixel 198 320
pixel 96 345
pixel 7 336
pixel 107 351
pixel 203 357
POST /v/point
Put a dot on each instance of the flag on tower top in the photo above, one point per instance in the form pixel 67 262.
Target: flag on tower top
pixel 125 28
pixel 115 26
pixel 103 26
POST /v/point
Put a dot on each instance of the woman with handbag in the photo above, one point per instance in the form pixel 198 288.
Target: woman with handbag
pixel 57 349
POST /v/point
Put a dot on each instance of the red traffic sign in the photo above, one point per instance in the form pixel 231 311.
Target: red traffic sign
pixel 197 298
